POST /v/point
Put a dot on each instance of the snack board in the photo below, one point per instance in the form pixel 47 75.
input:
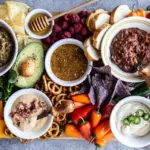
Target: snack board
pixel 80 109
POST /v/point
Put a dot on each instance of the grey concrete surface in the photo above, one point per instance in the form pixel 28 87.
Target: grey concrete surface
pixel 61 5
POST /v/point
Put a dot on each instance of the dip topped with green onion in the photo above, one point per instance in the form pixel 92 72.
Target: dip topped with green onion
pixel 133 119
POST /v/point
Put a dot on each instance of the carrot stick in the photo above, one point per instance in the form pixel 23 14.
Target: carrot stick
pixel 82 98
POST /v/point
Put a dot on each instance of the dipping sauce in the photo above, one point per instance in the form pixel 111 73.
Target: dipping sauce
pixel 44 31
pixel 25 111
pixel 133 119
pixel 6 47
pixel 130 48
pixel 68 62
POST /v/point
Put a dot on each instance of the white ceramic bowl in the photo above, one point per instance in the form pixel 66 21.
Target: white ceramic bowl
pixel 48 63
pixel 7 67
pixel 135 142
pixel 16 131
pixel 27 20
pixel 130 22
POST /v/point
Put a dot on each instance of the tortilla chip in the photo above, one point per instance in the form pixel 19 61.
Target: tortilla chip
pixel 18 29
pixel 17 12
pixel 20 41
pixel 22 6
pixel 14 13
pixel 3 12
pixel 23 40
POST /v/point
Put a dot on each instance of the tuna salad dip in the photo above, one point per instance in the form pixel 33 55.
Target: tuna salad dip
pixel 133 119
pixel 6 46
pixel 130 48
pixel 25 111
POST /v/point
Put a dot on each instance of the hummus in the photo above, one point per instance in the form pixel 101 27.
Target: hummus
pixel 25 111
pixel 140 129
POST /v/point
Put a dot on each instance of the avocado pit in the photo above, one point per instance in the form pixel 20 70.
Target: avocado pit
pixel 27 68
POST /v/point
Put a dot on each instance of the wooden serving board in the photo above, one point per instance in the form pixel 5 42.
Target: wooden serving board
pixel 63 136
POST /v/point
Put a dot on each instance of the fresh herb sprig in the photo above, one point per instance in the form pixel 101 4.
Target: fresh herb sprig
pixel 7 83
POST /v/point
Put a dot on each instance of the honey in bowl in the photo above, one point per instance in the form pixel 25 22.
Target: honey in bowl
pixel 38 25
pixel 68 62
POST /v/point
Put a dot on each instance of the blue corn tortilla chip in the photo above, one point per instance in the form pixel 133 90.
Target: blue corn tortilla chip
pixel 91 95
pixel 103 70
pixel 85 87
pixel 102 87
pixel 103 84
pixel 121 89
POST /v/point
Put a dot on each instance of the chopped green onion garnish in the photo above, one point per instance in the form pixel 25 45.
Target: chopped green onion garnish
pixel 146 116
pixel 126 122
pixel 137 120
pixel 131 118
pixel 140 113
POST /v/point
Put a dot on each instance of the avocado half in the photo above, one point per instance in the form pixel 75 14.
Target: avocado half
pixel 35 51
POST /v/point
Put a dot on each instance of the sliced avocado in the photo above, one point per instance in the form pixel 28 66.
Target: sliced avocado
pixel 31 51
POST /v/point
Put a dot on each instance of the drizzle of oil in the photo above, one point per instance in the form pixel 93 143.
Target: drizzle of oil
pixel 39 32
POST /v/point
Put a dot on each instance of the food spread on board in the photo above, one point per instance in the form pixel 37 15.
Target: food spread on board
pixel 84 110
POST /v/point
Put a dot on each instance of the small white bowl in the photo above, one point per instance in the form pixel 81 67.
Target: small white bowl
pixel 130 22
pixel 7 67
pixel 27 20
pixel 135 142
pixel 8 120
pixel 48 63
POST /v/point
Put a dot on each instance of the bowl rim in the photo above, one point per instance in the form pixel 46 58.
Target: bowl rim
pixel 117 72
pixel 27 19
pixel 114 129
pixel 15 130
pixel 12 33
pixel 48 66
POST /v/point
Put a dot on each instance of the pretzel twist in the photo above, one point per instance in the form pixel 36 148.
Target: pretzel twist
pixel 54 88
pixel 24 141
pixel 8 133
pixel 53 132
pixel 61 96
pixel 74 89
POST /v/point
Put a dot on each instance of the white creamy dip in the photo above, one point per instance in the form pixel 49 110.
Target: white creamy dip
pixel 140 129
pixel 30 106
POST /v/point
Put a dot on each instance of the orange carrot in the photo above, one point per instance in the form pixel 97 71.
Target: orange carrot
pixel 2 128
pixel 1 109
pixel 78 105
pixel 102 129
pixel 139 12
pixel 95 118
pixel 72 131
pixel 82 98
pixel 103 141
pixel 133 13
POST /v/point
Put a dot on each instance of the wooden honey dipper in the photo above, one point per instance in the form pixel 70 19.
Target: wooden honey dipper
pixel 42 22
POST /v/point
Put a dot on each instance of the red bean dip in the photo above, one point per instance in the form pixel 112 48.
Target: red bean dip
pixel 130 49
